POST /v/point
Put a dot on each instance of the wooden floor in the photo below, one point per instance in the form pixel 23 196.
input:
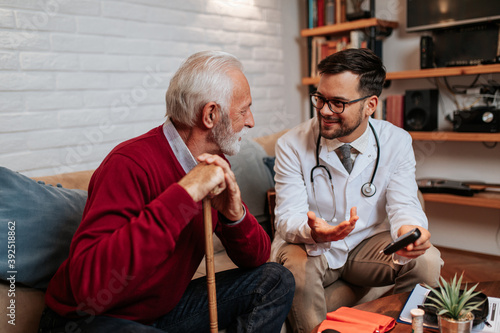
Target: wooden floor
pixel 476 267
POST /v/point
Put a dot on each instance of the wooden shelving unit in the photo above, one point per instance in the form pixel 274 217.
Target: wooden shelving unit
pixel 481 199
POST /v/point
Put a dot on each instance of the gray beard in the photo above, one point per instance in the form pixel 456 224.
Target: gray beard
pixel 228 141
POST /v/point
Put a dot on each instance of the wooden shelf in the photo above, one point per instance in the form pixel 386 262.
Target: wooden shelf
pixel 445 71
pixel 455 136
pixel 310 81
pixel 427 73
pixel 481 199
pixel 348 26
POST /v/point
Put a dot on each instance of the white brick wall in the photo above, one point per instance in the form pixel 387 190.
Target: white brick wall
pixel 79 77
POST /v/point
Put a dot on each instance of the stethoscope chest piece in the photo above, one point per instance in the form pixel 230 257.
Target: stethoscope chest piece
pixel 368 189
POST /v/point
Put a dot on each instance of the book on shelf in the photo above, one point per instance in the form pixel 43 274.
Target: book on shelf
pixel 341 12
pixel 322 12
pixel 329 12
pixel 394 109
pixel 316 54
pixel 312 14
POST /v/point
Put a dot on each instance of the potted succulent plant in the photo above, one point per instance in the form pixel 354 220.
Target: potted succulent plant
pixel 453 305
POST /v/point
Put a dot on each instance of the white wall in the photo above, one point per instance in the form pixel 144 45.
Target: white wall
pixel 78 77
pixel 295 59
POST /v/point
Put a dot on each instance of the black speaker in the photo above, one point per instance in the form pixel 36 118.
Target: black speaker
pixel 426 52
pixel 421 110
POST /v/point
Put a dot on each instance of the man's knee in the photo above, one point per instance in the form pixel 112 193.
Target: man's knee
pixel 428 266
pixel 295 258
pixel 278 286
pixel 279 272
pixel 431 263
pixel 289 253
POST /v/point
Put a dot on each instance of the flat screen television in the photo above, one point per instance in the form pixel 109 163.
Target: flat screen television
pixel 424 15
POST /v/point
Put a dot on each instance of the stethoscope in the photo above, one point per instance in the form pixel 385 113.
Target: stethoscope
pixel 368 189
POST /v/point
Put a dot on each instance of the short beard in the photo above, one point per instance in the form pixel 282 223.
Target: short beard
pixel 223 135
pixel 344 129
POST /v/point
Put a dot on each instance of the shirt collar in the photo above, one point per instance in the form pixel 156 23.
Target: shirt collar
pixel 181 151
pixel 360 144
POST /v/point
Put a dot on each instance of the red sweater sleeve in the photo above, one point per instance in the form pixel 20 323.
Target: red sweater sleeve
pixel 246 243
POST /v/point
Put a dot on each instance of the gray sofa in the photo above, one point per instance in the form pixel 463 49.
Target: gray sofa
pixel 47 214
pixel 254 178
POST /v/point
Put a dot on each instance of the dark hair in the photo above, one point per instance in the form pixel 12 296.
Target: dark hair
pixel 362 62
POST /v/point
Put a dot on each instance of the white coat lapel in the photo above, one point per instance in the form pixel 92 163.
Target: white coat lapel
pixel 330 158
pixel 365 160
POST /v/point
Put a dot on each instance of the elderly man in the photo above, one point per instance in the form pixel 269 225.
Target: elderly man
pixel 141 239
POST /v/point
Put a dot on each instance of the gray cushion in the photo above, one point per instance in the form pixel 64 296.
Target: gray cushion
pixel 39 221
pixel 253 177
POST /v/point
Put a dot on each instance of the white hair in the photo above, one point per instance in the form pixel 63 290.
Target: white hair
pixel 201 79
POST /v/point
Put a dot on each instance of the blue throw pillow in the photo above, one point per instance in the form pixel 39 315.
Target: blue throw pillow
pixel 37 223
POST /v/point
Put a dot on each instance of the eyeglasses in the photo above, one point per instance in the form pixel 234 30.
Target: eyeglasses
pixel 335 105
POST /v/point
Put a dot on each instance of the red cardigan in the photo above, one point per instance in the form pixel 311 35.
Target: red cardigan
pixel 141 238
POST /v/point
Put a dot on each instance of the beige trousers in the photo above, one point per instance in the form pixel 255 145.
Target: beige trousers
pixel 365 267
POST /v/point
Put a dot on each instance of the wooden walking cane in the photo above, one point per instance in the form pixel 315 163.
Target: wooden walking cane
pixel 209 259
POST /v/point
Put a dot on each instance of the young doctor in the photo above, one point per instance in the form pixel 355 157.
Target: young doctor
pixel 346 188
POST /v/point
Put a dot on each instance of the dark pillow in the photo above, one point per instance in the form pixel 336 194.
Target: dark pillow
pixel 269 162
pixel 37 223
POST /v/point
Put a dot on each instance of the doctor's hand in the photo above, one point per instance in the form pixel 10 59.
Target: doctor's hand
pixel 321 231
pixel 417 248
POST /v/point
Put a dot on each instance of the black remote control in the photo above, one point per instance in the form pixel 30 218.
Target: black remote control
pixel 402 241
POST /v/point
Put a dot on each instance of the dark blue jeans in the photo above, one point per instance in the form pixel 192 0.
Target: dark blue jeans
pixel 248 300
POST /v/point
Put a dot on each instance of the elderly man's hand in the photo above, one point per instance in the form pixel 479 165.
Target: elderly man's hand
pixel 203 180
pixel 214 178
pixel 228 200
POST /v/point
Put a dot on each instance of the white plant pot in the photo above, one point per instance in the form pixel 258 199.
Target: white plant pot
pixel 447 325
